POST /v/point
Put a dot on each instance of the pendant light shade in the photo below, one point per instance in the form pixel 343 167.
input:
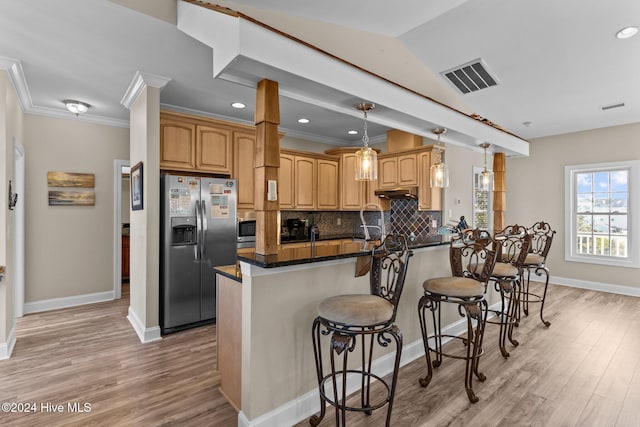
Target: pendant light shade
pixel 439 172
pixel 366 158
pixel 486 176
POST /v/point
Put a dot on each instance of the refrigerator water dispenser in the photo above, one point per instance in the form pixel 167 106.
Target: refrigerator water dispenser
pixel 183 231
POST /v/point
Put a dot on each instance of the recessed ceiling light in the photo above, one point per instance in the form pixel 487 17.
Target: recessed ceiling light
pixel 238 105
pixel 527 123
pixel 352 132
pixel 303 120
pixel 627 32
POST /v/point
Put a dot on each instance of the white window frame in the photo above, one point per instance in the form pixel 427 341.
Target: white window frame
pixel 633 232
pixel 476 171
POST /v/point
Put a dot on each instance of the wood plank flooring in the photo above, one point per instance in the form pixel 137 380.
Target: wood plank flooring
pixel 90 354
pixel 584 370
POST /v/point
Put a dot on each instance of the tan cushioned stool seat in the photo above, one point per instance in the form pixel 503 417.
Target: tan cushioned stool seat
pixel 356 310
pixel 454 286
pixel 501 269
pixel 533 259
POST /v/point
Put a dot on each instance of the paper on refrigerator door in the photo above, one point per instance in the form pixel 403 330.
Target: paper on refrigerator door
pixel 219 202
pixel 179 202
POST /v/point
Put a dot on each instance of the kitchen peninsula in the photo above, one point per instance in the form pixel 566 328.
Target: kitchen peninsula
pixel 265 315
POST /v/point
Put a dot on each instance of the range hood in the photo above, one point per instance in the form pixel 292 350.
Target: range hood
pixel 398 193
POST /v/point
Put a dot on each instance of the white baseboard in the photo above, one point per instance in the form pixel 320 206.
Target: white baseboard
pixel 145 334
pixel 56 303
pixel 308 404
pixel 595 286
pixel 6 348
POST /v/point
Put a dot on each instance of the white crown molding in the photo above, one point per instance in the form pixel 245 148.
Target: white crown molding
pixel 138 83
pixel 16 74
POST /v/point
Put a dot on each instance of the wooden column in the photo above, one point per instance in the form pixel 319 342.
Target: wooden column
pixel 267 163
pixel 499 191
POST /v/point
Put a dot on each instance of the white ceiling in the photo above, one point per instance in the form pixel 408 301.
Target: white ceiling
pixel 557 62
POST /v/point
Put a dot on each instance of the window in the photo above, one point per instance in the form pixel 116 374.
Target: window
pixel 599 211
pixel 482 207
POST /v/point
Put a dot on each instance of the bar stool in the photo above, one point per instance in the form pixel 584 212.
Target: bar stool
pixel 541 239
pixel 370 317
pixel 471 262
pixel 512 246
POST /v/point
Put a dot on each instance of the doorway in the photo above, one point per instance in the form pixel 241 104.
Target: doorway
pixel 121 204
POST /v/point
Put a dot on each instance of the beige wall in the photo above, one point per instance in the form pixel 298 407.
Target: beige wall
pixel 535 191
pixel 11 124
pixel 69 249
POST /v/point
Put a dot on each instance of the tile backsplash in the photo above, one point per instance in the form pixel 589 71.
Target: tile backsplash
pixel 404 218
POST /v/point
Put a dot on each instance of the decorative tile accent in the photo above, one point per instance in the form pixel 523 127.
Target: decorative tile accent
pixel 407 219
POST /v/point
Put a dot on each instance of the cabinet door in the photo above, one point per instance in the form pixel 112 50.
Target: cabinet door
pixel 388 172
pixel 305 185
pixel 328 248
pixel 177 145
pixel 213 149
pixel 286 182
pixel 408 170
pixel 429 199
pixel 327 185
pixel 351 191
pixel 244 146
pixel 372 199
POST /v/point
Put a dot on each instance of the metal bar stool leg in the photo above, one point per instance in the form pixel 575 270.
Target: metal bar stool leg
pixel 544 295
pixel 317 351
pixel 424 304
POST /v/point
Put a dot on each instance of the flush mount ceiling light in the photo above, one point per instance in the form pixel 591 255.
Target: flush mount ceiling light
pixel 627 32
pixel 439 172
pixel 238 105
pixel 486 176
pixel 366 158
pixel 76 107
pixel 303 120
pixel 352 132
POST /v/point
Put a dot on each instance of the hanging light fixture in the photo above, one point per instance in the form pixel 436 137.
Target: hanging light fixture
pixel 486 176
pixel 76 107
pixel 366 158
pixel 439 172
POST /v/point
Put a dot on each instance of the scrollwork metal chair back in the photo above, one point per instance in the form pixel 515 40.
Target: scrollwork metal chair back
pixel 541 238
pixel 471 255
pixel 512 245
pixel 389 269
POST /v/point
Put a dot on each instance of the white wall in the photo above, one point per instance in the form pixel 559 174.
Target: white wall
pixel 535 191
pixel 69 249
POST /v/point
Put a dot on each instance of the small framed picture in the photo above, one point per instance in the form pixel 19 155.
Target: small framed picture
pixel 136 187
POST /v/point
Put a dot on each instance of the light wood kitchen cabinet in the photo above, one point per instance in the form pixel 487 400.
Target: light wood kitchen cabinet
pixel 306 184
pixel 286 182
pixel 177 144
pixel 213 149
pixel 354 195
pixel 328 247
pixel 429 199
pixel 244 146
pixel 327 197
pixel 398 170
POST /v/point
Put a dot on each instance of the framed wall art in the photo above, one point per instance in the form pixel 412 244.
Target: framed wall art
pixel 137 195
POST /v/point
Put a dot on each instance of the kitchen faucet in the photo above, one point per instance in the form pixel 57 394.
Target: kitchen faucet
pixel 381 228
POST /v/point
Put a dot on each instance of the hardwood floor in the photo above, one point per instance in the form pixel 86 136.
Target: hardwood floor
pixel 90 354
pixel 584 370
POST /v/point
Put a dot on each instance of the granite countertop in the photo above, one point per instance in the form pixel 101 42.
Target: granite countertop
pixel 285 258
pixel 322 237
pixel 230 271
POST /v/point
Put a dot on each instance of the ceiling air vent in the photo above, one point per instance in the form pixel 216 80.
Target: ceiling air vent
pixel 471 76
pixel 609 107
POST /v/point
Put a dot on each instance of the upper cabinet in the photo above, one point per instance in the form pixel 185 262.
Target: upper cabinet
pixel 213 149
pixel 398 170
pixel 244 147
pixel 308 181
pixel 177 144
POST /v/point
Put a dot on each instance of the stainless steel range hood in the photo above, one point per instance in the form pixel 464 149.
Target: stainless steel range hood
pixel 398 193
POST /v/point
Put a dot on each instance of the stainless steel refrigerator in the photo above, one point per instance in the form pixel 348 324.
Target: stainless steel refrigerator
pixel 197 233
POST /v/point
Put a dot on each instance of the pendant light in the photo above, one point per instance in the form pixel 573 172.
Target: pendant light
pixel 366 158
pixel 439 172
pixel 486 176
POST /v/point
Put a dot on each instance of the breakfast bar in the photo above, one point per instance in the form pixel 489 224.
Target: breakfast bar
pixel 266 310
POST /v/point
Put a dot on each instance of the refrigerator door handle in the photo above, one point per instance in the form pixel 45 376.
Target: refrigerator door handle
pixel 205 226
pixel 196 247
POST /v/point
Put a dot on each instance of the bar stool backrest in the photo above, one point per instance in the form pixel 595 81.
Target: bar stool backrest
pixel 471 255
pixel 513 244
pixel 541 238
pixel 389 262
